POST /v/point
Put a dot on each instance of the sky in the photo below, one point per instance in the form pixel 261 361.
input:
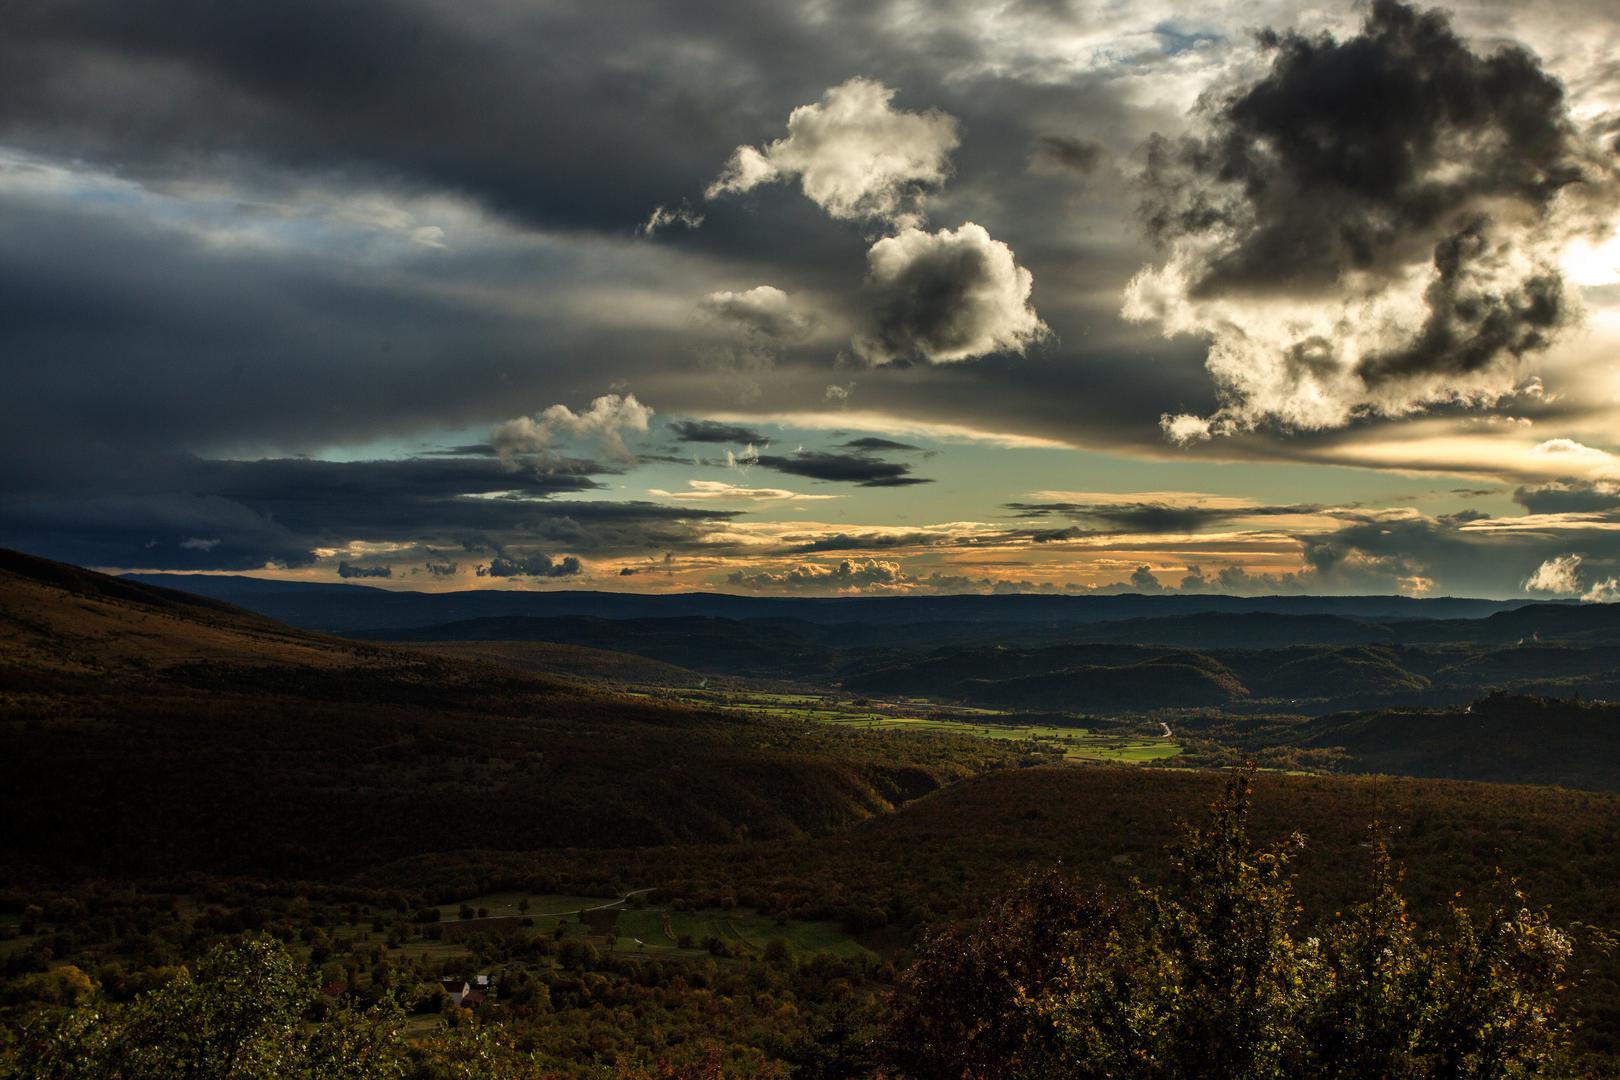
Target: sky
pixel 836 296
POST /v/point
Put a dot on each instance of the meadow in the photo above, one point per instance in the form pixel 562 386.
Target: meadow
pixel 1067 741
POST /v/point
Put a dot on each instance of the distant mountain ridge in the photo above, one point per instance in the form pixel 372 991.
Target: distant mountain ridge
pixel 344 607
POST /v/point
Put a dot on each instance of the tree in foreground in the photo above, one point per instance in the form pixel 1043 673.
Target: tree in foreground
pixel 1208 977
pixel 240 1015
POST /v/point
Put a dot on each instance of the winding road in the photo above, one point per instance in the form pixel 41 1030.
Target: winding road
pixel 621 901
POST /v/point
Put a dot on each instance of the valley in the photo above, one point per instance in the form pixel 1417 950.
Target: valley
pixel 727 846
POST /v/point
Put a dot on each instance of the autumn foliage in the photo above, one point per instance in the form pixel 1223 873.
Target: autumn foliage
pixel 1211 975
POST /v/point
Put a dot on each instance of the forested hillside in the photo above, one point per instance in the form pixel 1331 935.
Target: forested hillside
pixel 201 737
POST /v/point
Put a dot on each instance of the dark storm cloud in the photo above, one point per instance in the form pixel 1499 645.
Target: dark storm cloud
pixel 867 542
pixel 244 514
pixel 1394 170
pixel 713 431
pixel 464 450
pixel 1079 156
pixel 1149 517
pixel 561 114
pixel 350 570
pixel 1569 497
pixel 444 569
pixel 149 529
pixel 860 469
pixel 477 98
pixel 537 565
pixel 1347 154
pixel 135 336
pixel 872 443
pixel 1466 331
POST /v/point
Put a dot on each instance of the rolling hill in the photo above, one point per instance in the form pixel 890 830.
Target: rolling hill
pixel 202 737
pixel 565 661
pixel 1084 678
pixel 1504 737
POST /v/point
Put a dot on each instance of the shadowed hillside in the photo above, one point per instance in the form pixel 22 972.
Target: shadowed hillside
pixel 1504 737
pixel 200 737
pixel 571 661
pixel 59 618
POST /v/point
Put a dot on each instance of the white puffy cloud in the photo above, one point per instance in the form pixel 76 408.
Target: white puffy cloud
pixel 1184 428
pixel 1562 576
pixel 854 155
pixel 946 296
pixel 1606 591
pixel 761 312
pixel 605 422
pixel 1559 575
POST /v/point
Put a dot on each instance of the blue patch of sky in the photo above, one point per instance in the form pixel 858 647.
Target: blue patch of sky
pixel 1174 40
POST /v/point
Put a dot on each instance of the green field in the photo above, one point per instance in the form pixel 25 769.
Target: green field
pixel 1075 744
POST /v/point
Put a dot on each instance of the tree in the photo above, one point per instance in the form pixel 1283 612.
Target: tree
pixel 240 1017
pixel 1209 977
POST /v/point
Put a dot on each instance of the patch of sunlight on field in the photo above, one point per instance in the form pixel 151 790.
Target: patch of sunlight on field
pixel 1075 744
